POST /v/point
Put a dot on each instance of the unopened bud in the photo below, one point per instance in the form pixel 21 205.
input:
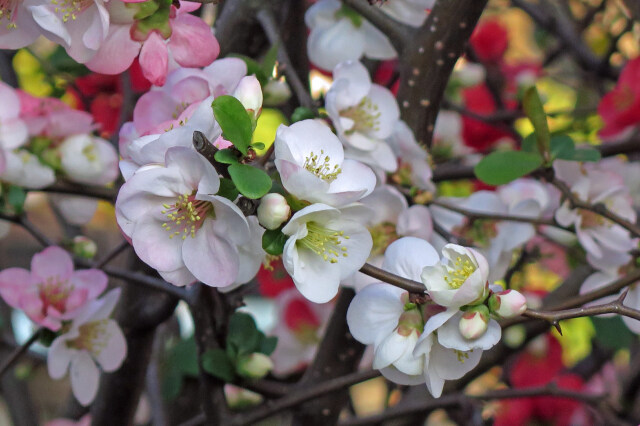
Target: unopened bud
pixel 507 304
pixel 410 321
pixel 84 247
pixel 276 92
pixel 249 93
pixel 474 322
pixel 273 211
pixel 254 366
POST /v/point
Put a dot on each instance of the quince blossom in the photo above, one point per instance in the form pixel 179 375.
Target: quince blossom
pixel 92 337
pixel 325 246
pixel 24 169
pixel 17 26
pixel 596 234
pixel 88 159
pixel 364 115
pixel 311 163
pixel 413 160
pixel 52 291
pixel 13 130
pixel 178 225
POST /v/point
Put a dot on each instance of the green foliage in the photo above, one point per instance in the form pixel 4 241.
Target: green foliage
pixel 227 189
pixel 612 333
pixel 16 197
pixel 234 120
pixel 251 182
pixel 273 241
pixel 180 361
pixel 226 156
pixel 503 167
pixel 302 113
pixel 243 339
pixel 535 112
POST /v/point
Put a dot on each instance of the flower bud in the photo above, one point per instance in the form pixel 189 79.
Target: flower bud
pixel 474 322
pixel 84 247
pixel 254 366
pixel 249 93
pixel 273 211
pixel 507 304
pixel 276 92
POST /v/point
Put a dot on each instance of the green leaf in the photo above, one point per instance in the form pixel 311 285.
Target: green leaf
pixel 251 182
pixel 586 154
pixel 562 147
pixel 243 333
pixel 235 122
pixel 273 241
pixel 269 61
pixel 216 363
pixel 535 112
pixel 16 197
pixel 268 344
pixel 185 356
pixel 171 384
pixel 302 113
pixel 346 12
pixel 258 145
pixel 529 144
pixel 253 67
pixel 228 189
pixel 612 333
pixel 503 167
pixel 226 156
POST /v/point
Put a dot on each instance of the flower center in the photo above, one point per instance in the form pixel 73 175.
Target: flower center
pixel 462 356
pixel 186 215
pixel 93 337
pixel 365 116
pixel 8 9
pixel 591 219
pixel 325 242
pixel 90 153
pixel 478 231
pixel 457 275
pixel 382 234
pixel 54 293
pixel 70 9
pixel 320 165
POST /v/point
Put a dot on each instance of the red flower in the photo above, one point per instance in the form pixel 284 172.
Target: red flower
pixel 478 134
pixel 490 40
pixel 273 282
pixel 620 108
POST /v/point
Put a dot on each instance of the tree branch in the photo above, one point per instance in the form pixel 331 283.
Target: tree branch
pixel 472 214
pixel 398 33
pixel 393 279
pixel 18 352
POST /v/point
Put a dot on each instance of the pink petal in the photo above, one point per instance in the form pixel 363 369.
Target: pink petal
pixel 116 53
pixel 93 280
pixel 13 283
pixel 52 262
pixel 76 299
pixel 192 43
pixel 154 59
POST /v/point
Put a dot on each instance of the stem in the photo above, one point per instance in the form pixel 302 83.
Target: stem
pixel 15 356
pixel 393 279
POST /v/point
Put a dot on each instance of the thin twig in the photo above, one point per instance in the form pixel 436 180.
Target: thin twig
pixel 398 33
pixel 29 227
pixel 472 214
pixel 270 27
pixel 15 356
pixel 112 254
pixel 393 279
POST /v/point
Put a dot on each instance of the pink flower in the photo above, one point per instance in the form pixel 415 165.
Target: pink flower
pixel 84 421
pixel 92 337
pixel 190 43
pixel 17 26
pixel 13 131
pixel 52 291
pixel 620 108
pixel 52 118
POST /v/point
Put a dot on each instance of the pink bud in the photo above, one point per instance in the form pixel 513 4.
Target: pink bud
pixel 507 304
pixel 249 93
pixel 474 322
pixel 273 211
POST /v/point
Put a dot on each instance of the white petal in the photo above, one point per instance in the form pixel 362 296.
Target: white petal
pixel 374 312
pixel 113 354
pixel 408 257
pixel 85 378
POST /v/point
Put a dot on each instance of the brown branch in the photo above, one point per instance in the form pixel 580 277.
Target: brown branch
pixel 393 279
pixel 70 188
pixel 472 214
pixel 270 27
pixel 398 33
pixel 18 352
pixel 600 209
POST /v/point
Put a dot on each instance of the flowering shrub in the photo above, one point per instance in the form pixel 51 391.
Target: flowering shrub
pixel 238 210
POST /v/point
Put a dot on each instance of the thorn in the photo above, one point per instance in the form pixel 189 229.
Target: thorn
pixel 556 324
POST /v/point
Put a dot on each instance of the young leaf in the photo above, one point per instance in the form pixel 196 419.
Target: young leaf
pixel 529 144
pixel 228 189
pixel 503 167
pixel 302 113
pixel 236 124
pixel 273 241
pixel 269 61
pixel 226 156
pixel 16 197
pixel 268 344
pixel 586 154
pixel 258 145
pixel 535 112
pixel 243 333
pixel 562 147
pixel 251 182
pixel 216 363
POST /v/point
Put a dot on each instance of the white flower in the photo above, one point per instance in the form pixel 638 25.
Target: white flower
pixel 88 159
pixel 76 210
pixel 325 246
pixel 596 234
pixel 249 93
pixel 459 279
pixel 93 337
pixel 250 255
pixel 364 115
pixel 25 169
pixel 339 34
pixel 178 225
pixel 311 163
pixel 410 12
pixel 411 156
pixel 151 149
